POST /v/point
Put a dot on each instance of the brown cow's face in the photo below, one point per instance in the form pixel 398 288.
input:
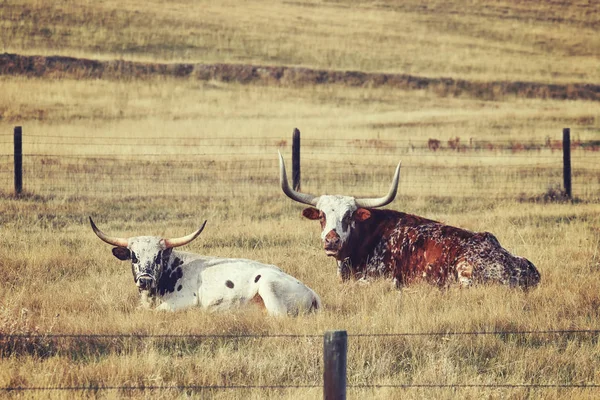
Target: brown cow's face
pixel 338 216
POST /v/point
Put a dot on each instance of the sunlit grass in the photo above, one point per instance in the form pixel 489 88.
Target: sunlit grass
pixel 184 137
pixel 160 155
pixel 509 40
pixel 47 247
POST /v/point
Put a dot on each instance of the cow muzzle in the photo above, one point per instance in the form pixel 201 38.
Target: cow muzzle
pixel 145 282
pixel 332 244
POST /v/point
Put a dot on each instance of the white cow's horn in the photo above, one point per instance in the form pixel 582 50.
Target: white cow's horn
pixel 388 198
pixel 291 193
pixel 119 242
pixel 168 243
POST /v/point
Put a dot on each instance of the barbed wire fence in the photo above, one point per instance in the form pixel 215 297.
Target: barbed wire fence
pixel 335 348
pixel 115 166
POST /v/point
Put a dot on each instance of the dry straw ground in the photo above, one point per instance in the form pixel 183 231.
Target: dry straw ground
pixel 214 145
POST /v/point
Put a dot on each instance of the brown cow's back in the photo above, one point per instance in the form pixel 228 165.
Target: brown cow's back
pixel 406 248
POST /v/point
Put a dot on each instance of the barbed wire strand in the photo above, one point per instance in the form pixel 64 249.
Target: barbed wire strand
pixel 458 155
pixel 156 387
pixel 482 385
pixel 283 335
pixel 307 386
pixel 213 136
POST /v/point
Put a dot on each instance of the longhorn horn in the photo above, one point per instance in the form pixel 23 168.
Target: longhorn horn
pixel 119 242
pixel 176 242
pixel 291 193
pixel 388 198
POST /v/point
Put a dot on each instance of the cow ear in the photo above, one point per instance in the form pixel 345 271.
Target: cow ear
pixel 122 253
pixel 310 213
pixel 362 214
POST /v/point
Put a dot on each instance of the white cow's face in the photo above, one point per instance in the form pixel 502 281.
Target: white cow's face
pixel 338 216
pixel 148 255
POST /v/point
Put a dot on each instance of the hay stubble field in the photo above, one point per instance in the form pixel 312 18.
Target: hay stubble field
pixel 158 154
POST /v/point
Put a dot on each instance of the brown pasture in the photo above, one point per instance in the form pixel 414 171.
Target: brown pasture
pixel 159 154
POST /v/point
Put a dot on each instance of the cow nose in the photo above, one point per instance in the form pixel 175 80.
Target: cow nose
pixel 145 282
pixel 332 241
pixel 332 238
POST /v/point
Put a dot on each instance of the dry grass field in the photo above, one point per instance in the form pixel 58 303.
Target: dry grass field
pixel 505 40
pixel 158 155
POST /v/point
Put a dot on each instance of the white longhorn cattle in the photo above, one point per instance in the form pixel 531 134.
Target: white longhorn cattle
pixel 177 279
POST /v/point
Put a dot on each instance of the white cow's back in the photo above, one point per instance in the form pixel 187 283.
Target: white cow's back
pixel 218 284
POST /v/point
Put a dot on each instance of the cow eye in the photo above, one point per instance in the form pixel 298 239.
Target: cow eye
pixel 134 258
pixel 346 222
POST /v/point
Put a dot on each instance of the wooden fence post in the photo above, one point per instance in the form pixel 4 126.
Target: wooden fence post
pixel 567 161
pixel 335 347
pixel 296 160
pixel 18 157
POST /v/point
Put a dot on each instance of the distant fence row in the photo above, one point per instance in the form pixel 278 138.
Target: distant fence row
pixel 115 166
pixel 335 348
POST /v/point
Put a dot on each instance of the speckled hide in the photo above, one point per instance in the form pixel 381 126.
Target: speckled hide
pixel 171 280
pixel 221 284
pixel 369 243
pixel 406 248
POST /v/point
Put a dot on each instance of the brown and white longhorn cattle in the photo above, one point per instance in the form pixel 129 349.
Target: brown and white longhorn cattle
pixel 367 243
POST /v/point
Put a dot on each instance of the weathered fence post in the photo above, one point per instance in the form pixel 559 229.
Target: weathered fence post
pixel 567 161
pixel 335 347
pixel 296 160
pixel 18 157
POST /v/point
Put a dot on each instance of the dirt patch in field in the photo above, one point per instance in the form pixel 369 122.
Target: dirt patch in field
pixel 69 67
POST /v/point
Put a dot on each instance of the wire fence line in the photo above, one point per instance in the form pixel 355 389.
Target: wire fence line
pixel 32 342
pixel 158 387
pixel 4 338
pixel 292 336
pixel 269 156
pixel 115 166
pixel 454 143
pixel 195 388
